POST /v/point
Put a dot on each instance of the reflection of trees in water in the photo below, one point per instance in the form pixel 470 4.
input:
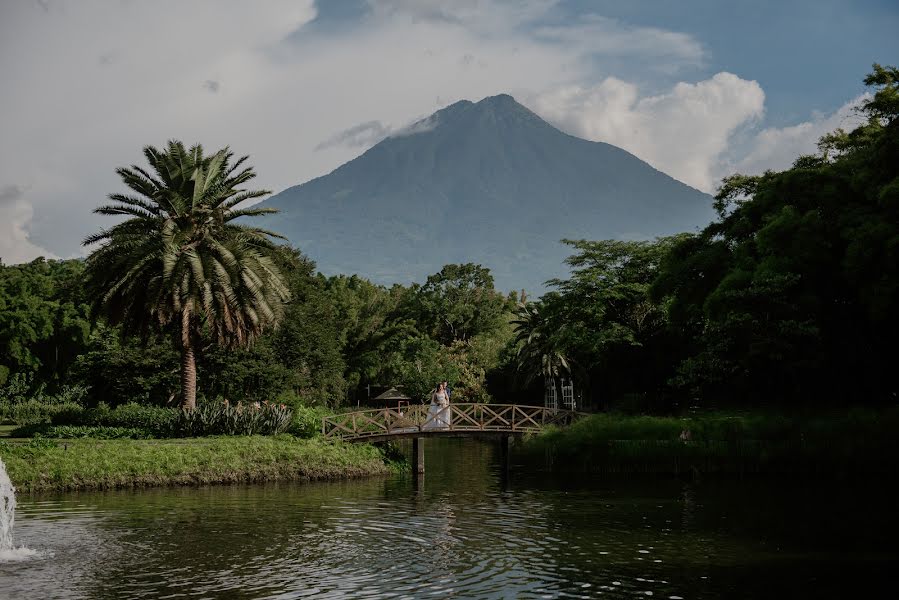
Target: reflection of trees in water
pixel 631 531
pixel 212 537
pixel 445 543
pixel 460 530
pixel 688 498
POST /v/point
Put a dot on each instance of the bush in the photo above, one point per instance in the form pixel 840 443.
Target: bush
pixel 307 421
pixel 159 420
pixel 44 430
pixel 99 433
pixel 224 418
pixel 33 412
pixel 26 407
pixel 13 392
pixel 30 412
pixel 209 418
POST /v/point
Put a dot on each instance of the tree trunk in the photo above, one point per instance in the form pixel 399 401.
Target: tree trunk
pixel 188 364
pixel 188 377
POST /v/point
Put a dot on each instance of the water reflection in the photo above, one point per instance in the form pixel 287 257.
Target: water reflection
pixel 463 530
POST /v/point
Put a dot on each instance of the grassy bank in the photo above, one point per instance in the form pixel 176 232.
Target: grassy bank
pixel 848 443
pixel 99 464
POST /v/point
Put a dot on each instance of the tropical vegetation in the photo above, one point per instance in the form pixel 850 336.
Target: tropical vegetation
pixel 784 303
pixel 179 264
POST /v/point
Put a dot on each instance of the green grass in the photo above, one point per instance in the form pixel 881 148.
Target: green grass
pixel 100 464
pixel 852 441
pixel 5 429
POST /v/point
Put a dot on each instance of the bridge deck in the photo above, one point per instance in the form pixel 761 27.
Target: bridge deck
pixel 455 420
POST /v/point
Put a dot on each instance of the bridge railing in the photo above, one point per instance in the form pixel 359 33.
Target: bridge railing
pixel 408 420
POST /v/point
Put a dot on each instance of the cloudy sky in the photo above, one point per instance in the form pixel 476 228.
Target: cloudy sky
pixel 697 88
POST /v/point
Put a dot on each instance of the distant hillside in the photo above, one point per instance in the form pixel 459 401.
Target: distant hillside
pixel 487 182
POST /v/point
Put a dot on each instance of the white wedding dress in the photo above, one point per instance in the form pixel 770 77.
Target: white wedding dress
pixel 438 416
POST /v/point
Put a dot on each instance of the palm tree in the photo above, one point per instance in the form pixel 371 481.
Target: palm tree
pixel 538 352
pixel 180 263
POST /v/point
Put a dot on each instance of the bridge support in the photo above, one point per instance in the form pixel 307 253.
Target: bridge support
pixel 418 455
pixel 504 452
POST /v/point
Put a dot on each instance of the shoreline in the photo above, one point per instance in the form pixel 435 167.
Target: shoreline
pixel 842 445
pixel 88 464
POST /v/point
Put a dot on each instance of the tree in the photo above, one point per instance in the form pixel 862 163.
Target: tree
pixel 459 303
pixel 791 293
pixel 540 352
pixel 369 325
pixel 418 363
pixel 119 369
pixel 604 321
pixel 44 320
pixel 308 342
pixel 180 263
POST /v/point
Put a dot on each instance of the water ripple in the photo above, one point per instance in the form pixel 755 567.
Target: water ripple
pixel 458 533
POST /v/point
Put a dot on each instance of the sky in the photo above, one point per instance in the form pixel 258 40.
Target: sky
pixel 697 88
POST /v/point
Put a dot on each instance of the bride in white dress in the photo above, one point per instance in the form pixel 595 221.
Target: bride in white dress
pixel 439 412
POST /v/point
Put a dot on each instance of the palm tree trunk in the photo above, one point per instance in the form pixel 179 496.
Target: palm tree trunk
pixel 188 364
pixel 188 377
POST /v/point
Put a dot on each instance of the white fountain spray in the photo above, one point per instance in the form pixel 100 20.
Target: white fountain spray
pixel 7 511
pixel 8 552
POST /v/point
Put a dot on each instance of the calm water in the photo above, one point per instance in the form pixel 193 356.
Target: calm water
pixel 465 532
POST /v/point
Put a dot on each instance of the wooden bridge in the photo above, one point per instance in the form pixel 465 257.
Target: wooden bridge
pixel 500 421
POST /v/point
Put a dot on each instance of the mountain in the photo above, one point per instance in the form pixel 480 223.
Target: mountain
pixel 487 182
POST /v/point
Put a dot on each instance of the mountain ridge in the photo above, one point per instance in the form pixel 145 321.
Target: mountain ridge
pixel 487 182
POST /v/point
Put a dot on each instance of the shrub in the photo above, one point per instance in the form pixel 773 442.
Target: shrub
pixel 159 420
pixel 137 421
pixel 75 394
pixel 15 390
pixel 30 412
pixel 224 418
pixel 99 433
pixel 34 411
pixel 45 430
pixel 307 421
pixel 26 407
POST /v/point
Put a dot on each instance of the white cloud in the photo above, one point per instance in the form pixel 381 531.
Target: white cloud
pixel 611 38
pixel 683 132
pixel 15 218
pixel 363 135
pixel 486 15
pixel 88 83
pixel 777 148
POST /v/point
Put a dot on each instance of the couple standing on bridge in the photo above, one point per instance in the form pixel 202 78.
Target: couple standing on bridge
pixel 439 413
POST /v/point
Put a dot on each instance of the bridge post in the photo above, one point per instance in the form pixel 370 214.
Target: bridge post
pixel 418 455
pixel 504 452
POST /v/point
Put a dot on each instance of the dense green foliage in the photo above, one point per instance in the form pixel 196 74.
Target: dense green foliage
pixel 791 294
pixel 337 337
pixel 44 322
pixel 180 264
pixel 786 299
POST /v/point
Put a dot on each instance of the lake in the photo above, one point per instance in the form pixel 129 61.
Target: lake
pixel 464 530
